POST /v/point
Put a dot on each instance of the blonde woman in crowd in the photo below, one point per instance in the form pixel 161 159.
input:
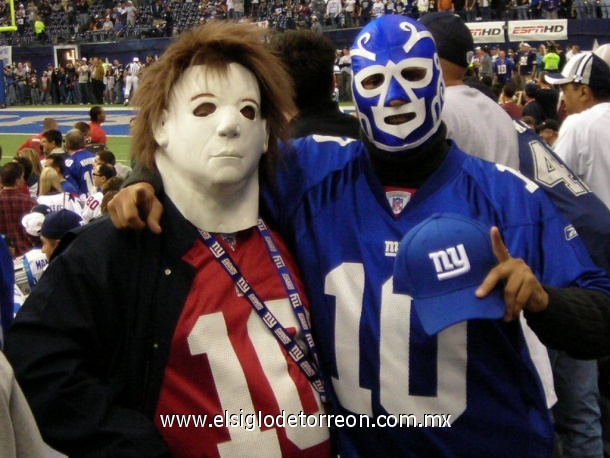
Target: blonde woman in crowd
pixel 52 195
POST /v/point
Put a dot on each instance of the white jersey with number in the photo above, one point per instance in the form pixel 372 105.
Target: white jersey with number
pixel 60 201
pixel 93 207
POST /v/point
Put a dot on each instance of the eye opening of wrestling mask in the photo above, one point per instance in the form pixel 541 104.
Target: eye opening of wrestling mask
pixel 397 85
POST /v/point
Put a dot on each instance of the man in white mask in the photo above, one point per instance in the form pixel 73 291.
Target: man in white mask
pixel 204 323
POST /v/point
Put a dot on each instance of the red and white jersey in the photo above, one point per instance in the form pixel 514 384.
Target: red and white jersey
pixel 93 207
pixel 225 361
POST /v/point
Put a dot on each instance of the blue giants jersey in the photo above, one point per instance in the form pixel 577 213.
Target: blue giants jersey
pixel 79 168
pixel 333 212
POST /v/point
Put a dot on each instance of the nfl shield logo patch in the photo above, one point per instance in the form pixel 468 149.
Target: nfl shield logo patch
pixel 398 200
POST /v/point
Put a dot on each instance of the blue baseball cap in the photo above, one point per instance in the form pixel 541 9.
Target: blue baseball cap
pixel 441 262
pixel 56 224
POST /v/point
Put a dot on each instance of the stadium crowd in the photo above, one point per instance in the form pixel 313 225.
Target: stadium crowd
pixel 60 21
pixel 60 171
pixel 86 81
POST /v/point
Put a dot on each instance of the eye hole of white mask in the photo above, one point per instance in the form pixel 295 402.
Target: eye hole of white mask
pixel 206 109
pixel 249 112
pixel 414 73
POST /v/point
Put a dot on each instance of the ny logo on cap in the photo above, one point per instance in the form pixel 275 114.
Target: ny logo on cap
pixel 451 262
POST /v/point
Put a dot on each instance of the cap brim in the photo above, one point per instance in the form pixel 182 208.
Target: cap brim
pixel 557 78
pixel 32 223
pixel 440 312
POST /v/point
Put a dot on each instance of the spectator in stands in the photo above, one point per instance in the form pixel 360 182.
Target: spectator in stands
pixel 334 15
pixel 504 68
pixel 316 27
pixel 532 107
pixel 40 27
pixel 97 80
pixel 108 196
pixel 13 205
pixel 548 97
pixel 119 26
pixel 70 86
pixel 486 68
pixel 107 157
pixel 80 164
pixel 34 142
pixel 58 163
pixel 86 131
pixel 82 10
pixel 21 19
pixel 522 9
pixel 551 59
pixel 55 226
pixel 119 77
pixel 19 76
pixel 102 173
pixel 562 55
pixel 34 88
pixel 526 65
pixel 108 28
pixel 130 11
pixel 34 159
pixel 11 93
pixel 585 9
pixel 51 144
pixel 52 193
pixel 465 106
pixel 110 84
pixel 63 82
pixel 30 186
pixel 97 115
pixel 157 9
pixel 508 104
pixel 309 58
pixel 45 10
pixel 45 88
pixel 549 131
pixel 584 136
pixel 83 71
pixel 32 12
pixel 55 85
pixel 575 51
pixel 529 122
pixel 345 65
pixel 550 9
pixel 169 21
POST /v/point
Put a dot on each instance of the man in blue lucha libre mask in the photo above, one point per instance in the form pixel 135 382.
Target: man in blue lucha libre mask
pixel 398 85
pixel 343 207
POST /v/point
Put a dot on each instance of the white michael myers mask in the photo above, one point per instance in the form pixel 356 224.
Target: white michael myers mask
pixel 212 133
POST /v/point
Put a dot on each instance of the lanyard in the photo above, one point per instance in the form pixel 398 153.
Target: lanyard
pixel 308 366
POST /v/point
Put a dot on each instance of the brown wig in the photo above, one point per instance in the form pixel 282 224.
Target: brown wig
pixel 215 44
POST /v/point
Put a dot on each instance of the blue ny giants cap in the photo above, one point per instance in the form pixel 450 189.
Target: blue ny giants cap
pixel 440 263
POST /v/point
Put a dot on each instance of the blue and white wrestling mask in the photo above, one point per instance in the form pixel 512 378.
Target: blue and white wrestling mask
pixel 398 85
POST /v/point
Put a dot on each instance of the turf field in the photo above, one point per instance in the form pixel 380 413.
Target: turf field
pixel 10 142
pixel 17 124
